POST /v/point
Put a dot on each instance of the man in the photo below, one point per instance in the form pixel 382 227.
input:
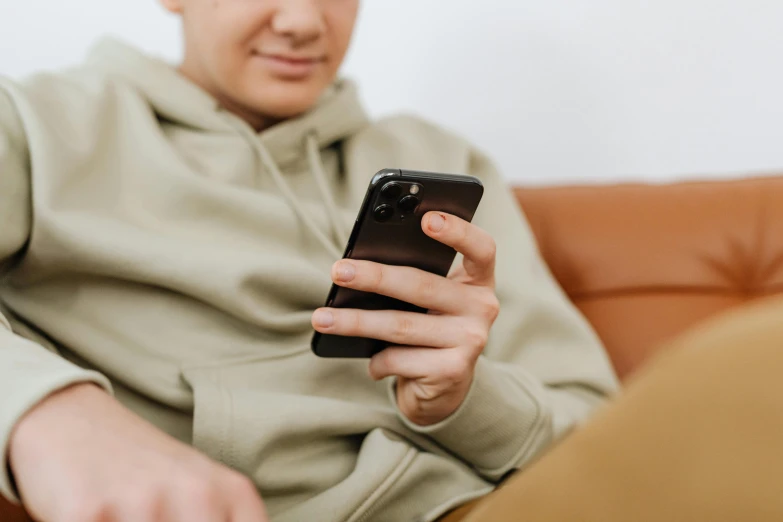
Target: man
pixel 167 234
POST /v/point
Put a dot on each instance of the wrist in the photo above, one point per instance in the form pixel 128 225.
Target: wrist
pixel 452 401
pixel 29 436
pixel 425 410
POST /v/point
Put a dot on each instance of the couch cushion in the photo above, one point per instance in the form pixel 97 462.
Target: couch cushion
pixel 645 262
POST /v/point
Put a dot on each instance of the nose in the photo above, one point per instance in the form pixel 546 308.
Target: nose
pixel 301 21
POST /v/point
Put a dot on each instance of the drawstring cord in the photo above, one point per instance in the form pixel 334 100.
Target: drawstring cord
pixel 317 171
pixel 339 228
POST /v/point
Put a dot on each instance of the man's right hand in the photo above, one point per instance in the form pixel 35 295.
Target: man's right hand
pixel 80 456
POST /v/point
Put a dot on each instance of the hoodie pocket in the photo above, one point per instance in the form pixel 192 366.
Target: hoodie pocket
pixel 212 414
pixel 312 457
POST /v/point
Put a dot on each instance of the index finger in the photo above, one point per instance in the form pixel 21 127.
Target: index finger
pixel 247 506
pixel 475 244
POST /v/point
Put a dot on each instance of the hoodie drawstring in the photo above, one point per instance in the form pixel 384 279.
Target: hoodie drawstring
pixel 317 171
pixel 339 228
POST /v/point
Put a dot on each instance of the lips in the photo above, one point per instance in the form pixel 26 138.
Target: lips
pixel 294 60
pixel 289 67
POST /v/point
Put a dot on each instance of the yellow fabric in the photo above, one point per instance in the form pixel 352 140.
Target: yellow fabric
pixel 697 437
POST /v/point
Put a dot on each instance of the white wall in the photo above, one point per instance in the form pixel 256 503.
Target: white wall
pixel 555 90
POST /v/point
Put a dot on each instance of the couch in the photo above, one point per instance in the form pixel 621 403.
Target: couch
pixel 645 262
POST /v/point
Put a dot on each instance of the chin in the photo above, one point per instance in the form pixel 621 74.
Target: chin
pixel 285 100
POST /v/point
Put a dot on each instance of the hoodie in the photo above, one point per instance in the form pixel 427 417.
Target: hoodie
pixel 156 245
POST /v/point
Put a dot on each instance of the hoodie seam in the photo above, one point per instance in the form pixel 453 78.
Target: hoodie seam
pixel 533 436
pixel 366 508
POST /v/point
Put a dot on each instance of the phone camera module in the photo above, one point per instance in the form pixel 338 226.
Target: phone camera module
pixel 408 204
pixel 391 190
pixel 383 213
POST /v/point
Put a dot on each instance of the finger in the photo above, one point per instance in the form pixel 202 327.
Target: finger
pixel 420 288
pixel 197 498
pixel 250 513
pixel 195 509
pixel 244 501
pixel 403 361
pixel 247 505
pixel 140 505
pixel 405 328
pixel 420 363
pixel 475 244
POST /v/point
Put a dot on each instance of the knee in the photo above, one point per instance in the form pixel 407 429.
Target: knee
pixel 741 346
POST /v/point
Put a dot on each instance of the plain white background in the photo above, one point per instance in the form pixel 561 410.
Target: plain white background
pixel 556 91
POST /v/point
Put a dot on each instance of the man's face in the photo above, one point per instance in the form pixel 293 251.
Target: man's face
pixel 265 57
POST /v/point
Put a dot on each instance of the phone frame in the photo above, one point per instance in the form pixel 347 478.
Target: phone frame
pixel 468 188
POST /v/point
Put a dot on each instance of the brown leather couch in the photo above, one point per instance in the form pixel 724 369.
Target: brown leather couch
pixel 645 262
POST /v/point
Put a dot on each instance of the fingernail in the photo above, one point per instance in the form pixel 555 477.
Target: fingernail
pixel 323 318
pixel 436 222
pixel 345 272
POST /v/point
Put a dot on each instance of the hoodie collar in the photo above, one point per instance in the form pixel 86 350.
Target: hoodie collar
pixel 337 115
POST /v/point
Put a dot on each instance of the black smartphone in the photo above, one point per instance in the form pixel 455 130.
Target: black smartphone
pixel 388 230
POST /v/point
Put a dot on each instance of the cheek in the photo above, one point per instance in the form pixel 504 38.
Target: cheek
pixel 341 27
pixel 231 27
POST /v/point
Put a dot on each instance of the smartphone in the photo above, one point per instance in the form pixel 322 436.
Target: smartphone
pixel 388 230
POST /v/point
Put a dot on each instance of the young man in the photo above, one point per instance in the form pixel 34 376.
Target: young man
pixel 167 234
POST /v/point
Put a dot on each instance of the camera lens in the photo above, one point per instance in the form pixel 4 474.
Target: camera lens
pixel 408 203
pixel 391 191
pixel 383 213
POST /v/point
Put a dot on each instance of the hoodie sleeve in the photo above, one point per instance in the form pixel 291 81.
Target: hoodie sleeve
pixel 543 370
pixel 28 371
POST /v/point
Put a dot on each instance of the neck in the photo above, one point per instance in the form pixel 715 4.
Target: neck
pixel 258 121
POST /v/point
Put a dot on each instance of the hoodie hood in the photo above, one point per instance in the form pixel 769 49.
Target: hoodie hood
pixel 337 115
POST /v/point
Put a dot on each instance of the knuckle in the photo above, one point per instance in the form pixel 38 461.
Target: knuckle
pixel 426 286
pixel 454 368
pixel 403 328
pixel 382 363
pixel 85 510
pixel 463 233
pixel 492 247
pixel 475 336
pixel 490 306
pixel 489 252
pixel 197 488
pixel 144 503
pixel 379 276
pixel 241 486
pixel 354 323
pixel 426 394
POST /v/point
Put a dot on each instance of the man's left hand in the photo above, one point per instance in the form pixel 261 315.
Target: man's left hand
pixel 432 355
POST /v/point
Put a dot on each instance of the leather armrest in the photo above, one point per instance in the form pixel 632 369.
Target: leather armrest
pixel 11 513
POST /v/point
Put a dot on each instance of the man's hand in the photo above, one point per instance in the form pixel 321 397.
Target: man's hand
pixel 434 355
pixel 80 456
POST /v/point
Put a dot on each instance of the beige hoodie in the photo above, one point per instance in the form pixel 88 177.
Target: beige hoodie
pixel 154 243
